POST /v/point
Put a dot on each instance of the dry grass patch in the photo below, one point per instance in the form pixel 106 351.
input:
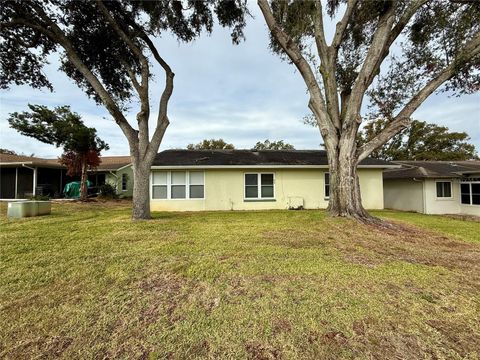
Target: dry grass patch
pixel 87 282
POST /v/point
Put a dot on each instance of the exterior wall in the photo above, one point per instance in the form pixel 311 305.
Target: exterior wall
pixel 434 205
pixel 403 194
pixel 116 181
pixel 224 190
pixel 421 196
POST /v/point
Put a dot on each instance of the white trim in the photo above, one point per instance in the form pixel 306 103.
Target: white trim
pixel 169 186
pixel 442 198
pixel 200 167
pixel 469 183
pixel 259 186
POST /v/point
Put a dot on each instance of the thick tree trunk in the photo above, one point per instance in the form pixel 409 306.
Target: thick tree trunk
pixel 345 197
pixel 141 190
pixel 83 181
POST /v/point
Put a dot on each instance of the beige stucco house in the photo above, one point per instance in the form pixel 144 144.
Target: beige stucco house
pixel 192 180
pixel 434 187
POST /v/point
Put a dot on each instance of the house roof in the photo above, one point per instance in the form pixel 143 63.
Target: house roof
pixel 433 169
pixel 109 163
pixel 247 158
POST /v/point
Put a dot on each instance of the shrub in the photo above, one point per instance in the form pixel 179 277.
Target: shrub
pixel 107 191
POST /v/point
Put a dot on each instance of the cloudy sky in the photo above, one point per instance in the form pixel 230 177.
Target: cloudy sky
pixel 242 94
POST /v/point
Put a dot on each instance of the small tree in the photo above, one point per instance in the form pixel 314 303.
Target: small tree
pixel 212 144
pixel 62 127
pixel 273 145
pixel 421 141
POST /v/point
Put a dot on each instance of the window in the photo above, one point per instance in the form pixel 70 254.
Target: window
pixel 259 186
pixel 327 185
pixel 159 185
pixel 444 189
pixel 178 185
pixel 196 185
pixel 470 193
pixel 124 182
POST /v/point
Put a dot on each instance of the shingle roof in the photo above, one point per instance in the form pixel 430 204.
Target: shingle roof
pixel 108 162
pixel 6 159
pixel 250 158
pixel 432 169
pixel 113 162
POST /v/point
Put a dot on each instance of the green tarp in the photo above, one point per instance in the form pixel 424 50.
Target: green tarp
pixel 72 189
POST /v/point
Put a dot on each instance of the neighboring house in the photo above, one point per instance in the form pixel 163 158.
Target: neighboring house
pixel 190 180
pixel 25 176
pixel 434 187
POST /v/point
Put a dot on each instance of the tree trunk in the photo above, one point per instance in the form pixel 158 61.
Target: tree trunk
pixel 83 180
pixel 141 190
pixel 345 197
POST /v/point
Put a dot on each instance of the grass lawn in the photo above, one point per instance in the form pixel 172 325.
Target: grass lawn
pixel 86 282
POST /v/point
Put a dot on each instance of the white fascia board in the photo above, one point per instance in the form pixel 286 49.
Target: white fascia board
pixel 164 167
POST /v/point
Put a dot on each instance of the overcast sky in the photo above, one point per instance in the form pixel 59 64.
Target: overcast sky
pixel 241 93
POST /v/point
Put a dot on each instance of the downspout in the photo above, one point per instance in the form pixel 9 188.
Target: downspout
pixel 424 205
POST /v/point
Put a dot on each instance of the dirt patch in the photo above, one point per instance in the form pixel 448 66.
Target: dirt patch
pixel 281 326
pixel 259 351
pixel 463 342
pixel 376 246
pixel 165 292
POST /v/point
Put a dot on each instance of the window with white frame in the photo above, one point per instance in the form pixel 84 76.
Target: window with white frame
pixel 124 182
pixel 470 193
pixel 444 189
pixel 327 185
pixel 178 185
pixel 159 185
pixel 259 186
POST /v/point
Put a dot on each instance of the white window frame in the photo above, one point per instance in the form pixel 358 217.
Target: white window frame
pixel 259 187
pixel 469 183
pixel 325 185
pixel 169 185
pixel 444 197
pixel 126 182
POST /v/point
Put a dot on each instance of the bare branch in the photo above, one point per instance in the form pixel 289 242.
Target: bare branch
pixel 375 50
pixel 327 67
pixel 402 120
pixel 342 26
pixel 394 34
pixel 294 53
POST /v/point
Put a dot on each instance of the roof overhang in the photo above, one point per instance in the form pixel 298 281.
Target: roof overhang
pixel 158 167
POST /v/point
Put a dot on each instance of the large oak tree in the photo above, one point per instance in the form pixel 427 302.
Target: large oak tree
pixel 394 54
pixel 108 49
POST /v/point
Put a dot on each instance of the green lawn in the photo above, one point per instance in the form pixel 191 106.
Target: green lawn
pixel 86 282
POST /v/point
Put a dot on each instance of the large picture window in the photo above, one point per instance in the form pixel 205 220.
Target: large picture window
pixel 178 185
pixel 470 193
pixel 444 189
pixel 259 186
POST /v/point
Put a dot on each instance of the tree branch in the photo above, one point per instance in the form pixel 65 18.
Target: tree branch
pixel 327 67
pixel 294 53
pixel 58 36
pixel 375 50
pixel 402 120
pixel 394 34
pixel 342 26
